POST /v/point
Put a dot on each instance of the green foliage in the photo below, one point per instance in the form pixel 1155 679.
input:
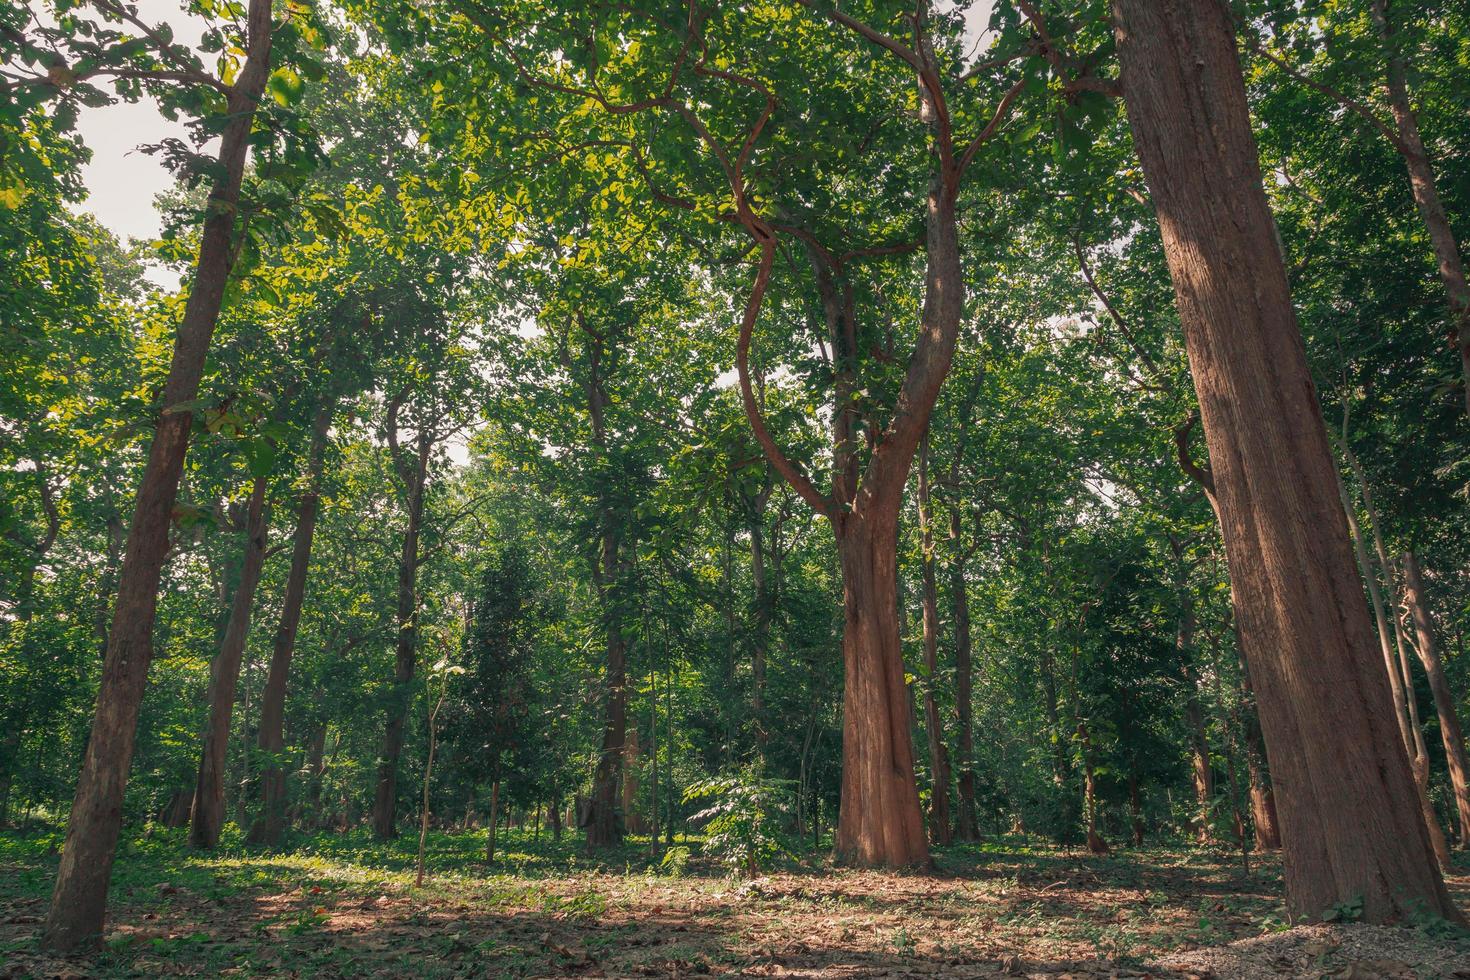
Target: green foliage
pixel 741 819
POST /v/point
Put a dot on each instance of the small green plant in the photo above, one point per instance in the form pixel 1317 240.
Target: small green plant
pixel 1348 911
pixel 675 861
pixel 739 823
pixel 903 943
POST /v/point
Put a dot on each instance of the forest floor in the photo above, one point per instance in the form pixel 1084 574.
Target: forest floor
pixel 345 906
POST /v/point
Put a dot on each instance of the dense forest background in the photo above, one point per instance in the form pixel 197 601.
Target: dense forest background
pixel 472 461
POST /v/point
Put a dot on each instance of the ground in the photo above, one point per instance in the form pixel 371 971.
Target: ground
pixel 344 906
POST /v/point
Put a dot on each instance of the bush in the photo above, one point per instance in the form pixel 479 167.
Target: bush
pixel 740 823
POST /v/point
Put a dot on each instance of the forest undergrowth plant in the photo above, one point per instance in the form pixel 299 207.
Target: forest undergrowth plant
pixel 741 821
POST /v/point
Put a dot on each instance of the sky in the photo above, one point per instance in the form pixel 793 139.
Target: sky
pixel 122 180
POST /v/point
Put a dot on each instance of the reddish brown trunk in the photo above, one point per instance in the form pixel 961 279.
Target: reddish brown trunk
pixel 939 823
pixel 880 823
pixel 1444 700
pixel 79 900
pixel 272 737
pixel 208 817
pixel 1263 799
pixel 1344 790
pixel 967 826
pixel 1095 842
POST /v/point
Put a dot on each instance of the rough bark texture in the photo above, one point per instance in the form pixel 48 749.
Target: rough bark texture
pixel 208 817
pixel 1344 790
pixel 270 823
pixel 79 900
pixel 633 820
pixel 1444 700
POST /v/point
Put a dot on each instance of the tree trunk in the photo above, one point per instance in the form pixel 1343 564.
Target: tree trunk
pixel 604 821
pixel 224 676
pixel 1135 809
pixel 494 811
pixel 1426 193
pixel 272 740
pixel 1095 842
pixel 316 766
pixel 1444 701
pixel 633 820
pixel 1400 681
pixel 385 799
pixel 939 822
pixel 1263 798
pixel 1199 759
pixel 1344 789
pixel 760 636
pixel 880 822
pixel 79 899
pixel 967 826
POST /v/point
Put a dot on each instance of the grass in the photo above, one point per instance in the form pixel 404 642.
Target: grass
pixel 333 905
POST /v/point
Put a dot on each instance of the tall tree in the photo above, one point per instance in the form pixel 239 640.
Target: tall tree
pixel 1343 785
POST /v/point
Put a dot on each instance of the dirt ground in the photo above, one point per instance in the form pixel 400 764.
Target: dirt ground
pixel 343 906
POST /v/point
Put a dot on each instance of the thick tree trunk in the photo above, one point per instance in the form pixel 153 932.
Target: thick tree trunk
pixel 967 826
pixel 1344 789
pixel 604 821
pixel 880 822
pixel 208 817
pixel 1439 685
pixel 272 739
pixel 939 821
pixel 385 799
pixel 79 900
pixel 1426 192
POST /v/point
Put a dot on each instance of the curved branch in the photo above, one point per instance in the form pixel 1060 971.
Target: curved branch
pixel 789 470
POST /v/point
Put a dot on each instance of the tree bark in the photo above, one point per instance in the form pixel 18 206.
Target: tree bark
pixel 1444 700
pixel 79 899
pixel 880 822
pixel 760 636
pixel 1263 798
pixel 939 821
pixel 1344 789
pixel 405 660
pixel 208 817
pixel 1400 681
pixel 632 819
pixel 494 821
pixel 967 825
pixel 270 823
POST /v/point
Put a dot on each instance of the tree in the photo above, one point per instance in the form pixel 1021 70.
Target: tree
pixel 1324 705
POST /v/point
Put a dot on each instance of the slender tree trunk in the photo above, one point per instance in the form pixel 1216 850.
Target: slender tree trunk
pixel 1199 759
pixel 1426 192
pixel 1135 809
pixel 1439 685
pixel 1400 681
pixel 966 825
pixel 1095 842
pixel 272 740
pixel 1263 798
pixel 385 799
pixel 760 636
pixel 604 822
pixel 1344 788
pixel 939 821
pixel 316 766
pixel 224 676
pixel 880 822
pixel 632 819
pixel 494 811
pixel 79 900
